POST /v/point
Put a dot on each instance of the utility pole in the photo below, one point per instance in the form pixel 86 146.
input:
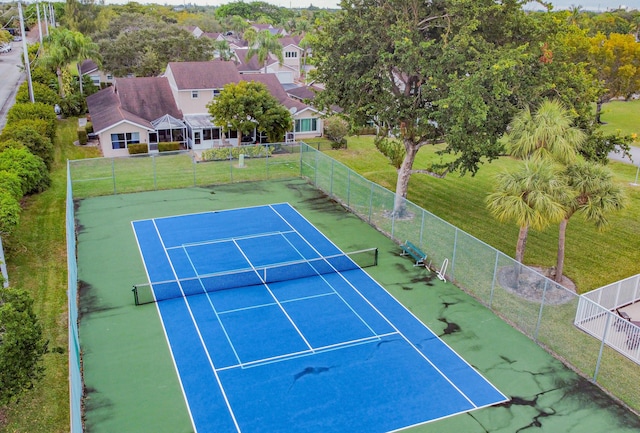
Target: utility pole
pixel 25 52
pixel 46 21
pixel 39 23
pixel 52 14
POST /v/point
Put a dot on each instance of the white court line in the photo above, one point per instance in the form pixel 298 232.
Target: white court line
pixel 164 328
pixel 292 355
pixel 270 304
pixel 320 275
pixel 213 308
pixel 195 323
pixel 220 240
pixel 275 299
pixel 388 321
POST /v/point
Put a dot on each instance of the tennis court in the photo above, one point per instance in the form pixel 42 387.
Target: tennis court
pixel 273 328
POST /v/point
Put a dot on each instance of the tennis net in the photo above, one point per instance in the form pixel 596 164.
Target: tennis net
pixel 277 272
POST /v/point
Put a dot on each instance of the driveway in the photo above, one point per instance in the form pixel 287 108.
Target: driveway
pixel 635 154
pixel 12 76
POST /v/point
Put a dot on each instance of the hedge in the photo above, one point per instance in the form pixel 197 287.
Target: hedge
pixel 38 144
pixel 9 212
pixel 10 182
pixel 31 169
pixel 138 148
pixel 37 110
pixel 221 153
pixel 83 137
pixel 169 146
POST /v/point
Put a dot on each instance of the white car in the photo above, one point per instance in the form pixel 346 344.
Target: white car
pixel 5 48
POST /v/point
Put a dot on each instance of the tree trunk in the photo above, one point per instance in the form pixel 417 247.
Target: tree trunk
pixel 80 77
pixel 522 243
pixel 561 241
pixel 598 111
pixel 404 174
pixel 60 87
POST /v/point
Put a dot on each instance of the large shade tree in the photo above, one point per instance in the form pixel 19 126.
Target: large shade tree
pixel 247 106
pixel 445 71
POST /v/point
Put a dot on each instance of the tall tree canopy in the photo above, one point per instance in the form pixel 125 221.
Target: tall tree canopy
pixel 248 105
pixel 438 71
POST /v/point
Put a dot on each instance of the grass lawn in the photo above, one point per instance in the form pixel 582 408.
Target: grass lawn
pixel 37 262
pixel 593 259
pixel 622 116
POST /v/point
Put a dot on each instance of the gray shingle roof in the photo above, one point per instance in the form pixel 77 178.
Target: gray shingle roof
pixel 204 75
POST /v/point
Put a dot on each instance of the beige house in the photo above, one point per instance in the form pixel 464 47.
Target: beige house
pixel 174 108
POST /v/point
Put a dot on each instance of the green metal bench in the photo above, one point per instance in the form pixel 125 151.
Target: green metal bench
pixel 409 249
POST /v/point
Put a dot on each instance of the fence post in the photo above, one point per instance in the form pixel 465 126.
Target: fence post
pixel 349 188
pixel 370 201
pixel 153 164
pixel 113 175
pixel 421 228
pixel 495 275
pixel 544 292
pixel 194 164
pixel 604 338
pixel 453 258
pixel 331 181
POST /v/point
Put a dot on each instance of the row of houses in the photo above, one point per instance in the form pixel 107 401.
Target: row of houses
pixel 172 108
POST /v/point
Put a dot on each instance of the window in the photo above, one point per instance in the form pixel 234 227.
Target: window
pixel 153 137
pixel 194 94
pixel 122 140
pixel 291 54
pixel 95 79
pixel 215 92
pixel 196 137
pixel 306 125
pixel 109 77
pixel 211 134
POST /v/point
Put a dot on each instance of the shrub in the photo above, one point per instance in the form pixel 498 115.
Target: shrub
pixel 31 169
pixel 22 345
pixel 73 105
pixel 38 125
pixel 11 144
pixel 9 212
pixel 222 153
pixel 336 128
pixel 168 146
pixel 44 76
pixel 41 93
pixel 37 110
pixel 10 182
pixel 89 127
pixel 83 137
pixel 37 144
pixel 342 144
pixel 366 130
pixel 138 148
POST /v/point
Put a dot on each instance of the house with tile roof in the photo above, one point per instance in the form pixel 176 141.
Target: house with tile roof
pixel 174 108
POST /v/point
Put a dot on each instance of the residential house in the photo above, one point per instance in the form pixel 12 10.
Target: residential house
pixel 174 108
pixel 99 78
pixel 194 85
pixel 136 110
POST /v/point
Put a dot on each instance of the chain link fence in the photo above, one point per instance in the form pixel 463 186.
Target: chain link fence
pixel 542 309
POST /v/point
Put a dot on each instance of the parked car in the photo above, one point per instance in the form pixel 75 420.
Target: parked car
pixel 17 38
pixel 5 48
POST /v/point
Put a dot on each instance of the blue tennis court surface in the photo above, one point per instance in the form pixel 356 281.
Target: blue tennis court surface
pixel 278 333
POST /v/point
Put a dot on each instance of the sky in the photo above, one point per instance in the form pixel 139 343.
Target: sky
pixel 594 5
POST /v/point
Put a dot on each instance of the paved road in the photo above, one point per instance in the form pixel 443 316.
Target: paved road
pixel 635 154
pixel 12 76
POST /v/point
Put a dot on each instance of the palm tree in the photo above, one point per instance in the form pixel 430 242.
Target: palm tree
pixel 594 195
pixel 65 47
pixel 530 196
pixel 264 45
pixel 548 134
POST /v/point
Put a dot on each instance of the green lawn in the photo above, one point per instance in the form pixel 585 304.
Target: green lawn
pixel 622 116
pixel 37 262
pixel 593 259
